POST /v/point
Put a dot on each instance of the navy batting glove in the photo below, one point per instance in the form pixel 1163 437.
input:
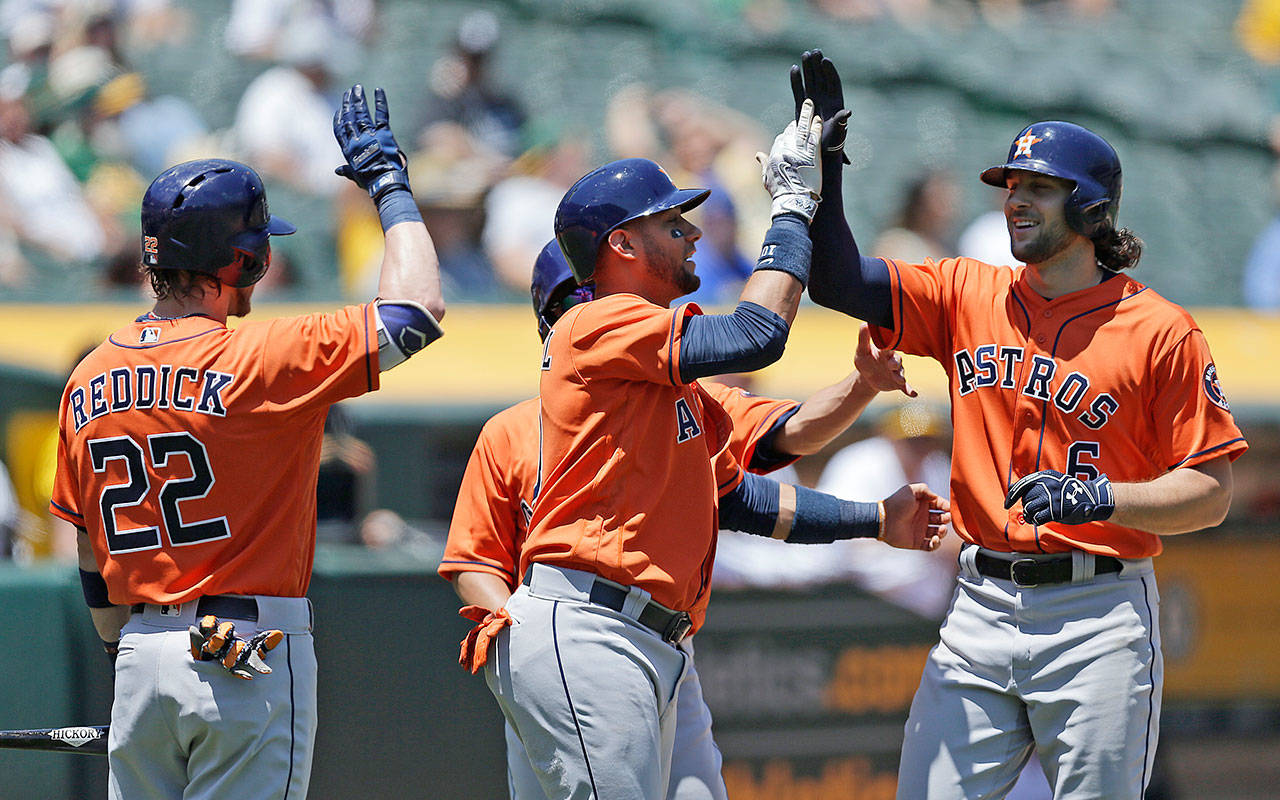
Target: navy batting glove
pixel 1049 496
pixel 374 159
pixel 817 80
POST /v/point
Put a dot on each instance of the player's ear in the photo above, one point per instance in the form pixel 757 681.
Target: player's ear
pixel 622 243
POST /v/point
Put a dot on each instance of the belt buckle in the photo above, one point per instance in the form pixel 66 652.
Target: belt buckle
pixel 678 628
pixel 1028 582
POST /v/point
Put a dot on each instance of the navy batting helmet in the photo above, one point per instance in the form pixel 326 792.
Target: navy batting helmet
pixel 1077 154
pixel 553 285
pixel 609 196
pixel 210 216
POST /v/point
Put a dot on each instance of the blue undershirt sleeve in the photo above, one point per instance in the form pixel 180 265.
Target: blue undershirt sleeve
pixel 750 338
pixel 752 507
pixel 841 278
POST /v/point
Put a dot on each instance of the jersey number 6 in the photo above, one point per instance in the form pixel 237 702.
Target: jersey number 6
pixel 161 446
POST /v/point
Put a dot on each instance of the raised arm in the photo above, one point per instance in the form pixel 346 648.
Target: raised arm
pixel 841 277
pixel 754 335
pixel 410 301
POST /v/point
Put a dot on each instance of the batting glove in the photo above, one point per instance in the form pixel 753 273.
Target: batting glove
pixel 374 160
pixel 817 80
pixel 1049 496
pixel 212 640
pixel 475 648
pixel 791 171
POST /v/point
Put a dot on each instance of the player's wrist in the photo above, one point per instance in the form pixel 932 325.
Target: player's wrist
pixel 395 202
pixel 880 520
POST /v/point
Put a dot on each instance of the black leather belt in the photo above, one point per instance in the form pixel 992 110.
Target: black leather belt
pixel 1030 572
pixel 220 605
pixel 672 626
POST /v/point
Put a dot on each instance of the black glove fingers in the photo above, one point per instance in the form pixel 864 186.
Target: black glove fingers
pixel 360 110
pixel 811 77
pixel 347 111
pixel 829 80
pixel 381 114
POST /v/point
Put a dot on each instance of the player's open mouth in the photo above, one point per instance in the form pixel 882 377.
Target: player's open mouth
pixel 1023 224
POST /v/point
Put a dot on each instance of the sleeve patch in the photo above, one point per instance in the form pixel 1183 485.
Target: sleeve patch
pixel 1213 389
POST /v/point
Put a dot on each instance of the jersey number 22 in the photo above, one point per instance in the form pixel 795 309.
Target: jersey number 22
pixel 161 447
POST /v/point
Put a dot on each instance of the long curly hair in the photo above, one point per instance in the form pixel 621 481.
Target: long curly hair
pixel 166 283
pixel 1117 248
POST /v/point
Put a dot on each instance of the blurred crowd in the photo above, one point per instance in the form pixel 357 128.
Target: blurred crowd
pixel 82 133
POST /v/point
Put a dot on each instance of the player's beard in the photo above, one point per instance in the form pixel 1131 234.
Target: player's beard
pixel 687 282
pixel 1049 240
pixel 674 273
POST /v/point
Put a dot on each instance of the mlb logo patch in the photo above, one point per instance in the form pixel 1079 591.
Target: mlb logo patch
pixel 149 336
pixel 171 610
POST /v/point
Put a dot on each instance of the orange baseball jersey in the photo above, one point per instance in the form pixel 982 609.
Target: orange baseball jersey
pixel 189 452
pixel 633 459
pixel 1112 379
pixel 495 501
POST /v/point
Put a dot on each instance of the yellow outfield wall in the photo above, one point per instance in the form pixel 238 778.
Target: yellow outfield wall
pixel 490 353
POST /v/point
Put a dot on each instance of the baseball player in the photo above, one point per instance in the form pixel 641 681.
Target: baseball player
pixel 635 476
pixel 188 457
pixel 482 553
pixel 1089 423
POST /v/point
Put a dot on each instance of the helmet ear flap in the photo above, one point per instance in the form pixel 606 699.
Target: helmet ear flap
pixel 1092 218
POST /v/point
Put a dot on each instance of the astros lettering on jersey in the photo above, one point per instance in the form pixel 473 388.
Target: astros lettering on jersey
pixel 1056 384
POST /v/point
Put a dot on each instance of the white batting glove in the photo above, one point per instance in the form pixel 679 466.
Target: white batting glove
pixel 792 172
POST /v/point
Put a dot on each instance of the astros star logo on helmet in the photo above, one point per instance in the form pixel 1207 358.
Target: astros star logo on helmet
pixel 1024 144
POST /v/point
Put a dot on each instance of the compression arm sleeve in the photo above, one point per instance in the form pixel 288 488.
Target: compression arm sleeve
pixel 841 277
pixel 750 338
pixel 765 507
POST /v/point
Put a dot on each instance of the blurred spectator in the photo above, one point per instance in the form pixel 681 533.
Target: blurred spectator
pixel 461 91
pixel 9 515
pixel 151 134
pixel 987 239
pixel 520 208
pixel 450 174
pixel 925 222
pixel 722 268
pixel 910 447
pixel 30 39
pixel 1261 281
pixel 284 123
pixel 260 29
pixel 345 491
pixel 345 485
pixel 40 200
pixel 702 143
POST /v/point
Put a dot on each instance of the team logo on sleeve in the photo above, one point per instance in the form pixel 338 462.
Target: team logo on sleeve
pixel 149 336
pixel 1213 389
